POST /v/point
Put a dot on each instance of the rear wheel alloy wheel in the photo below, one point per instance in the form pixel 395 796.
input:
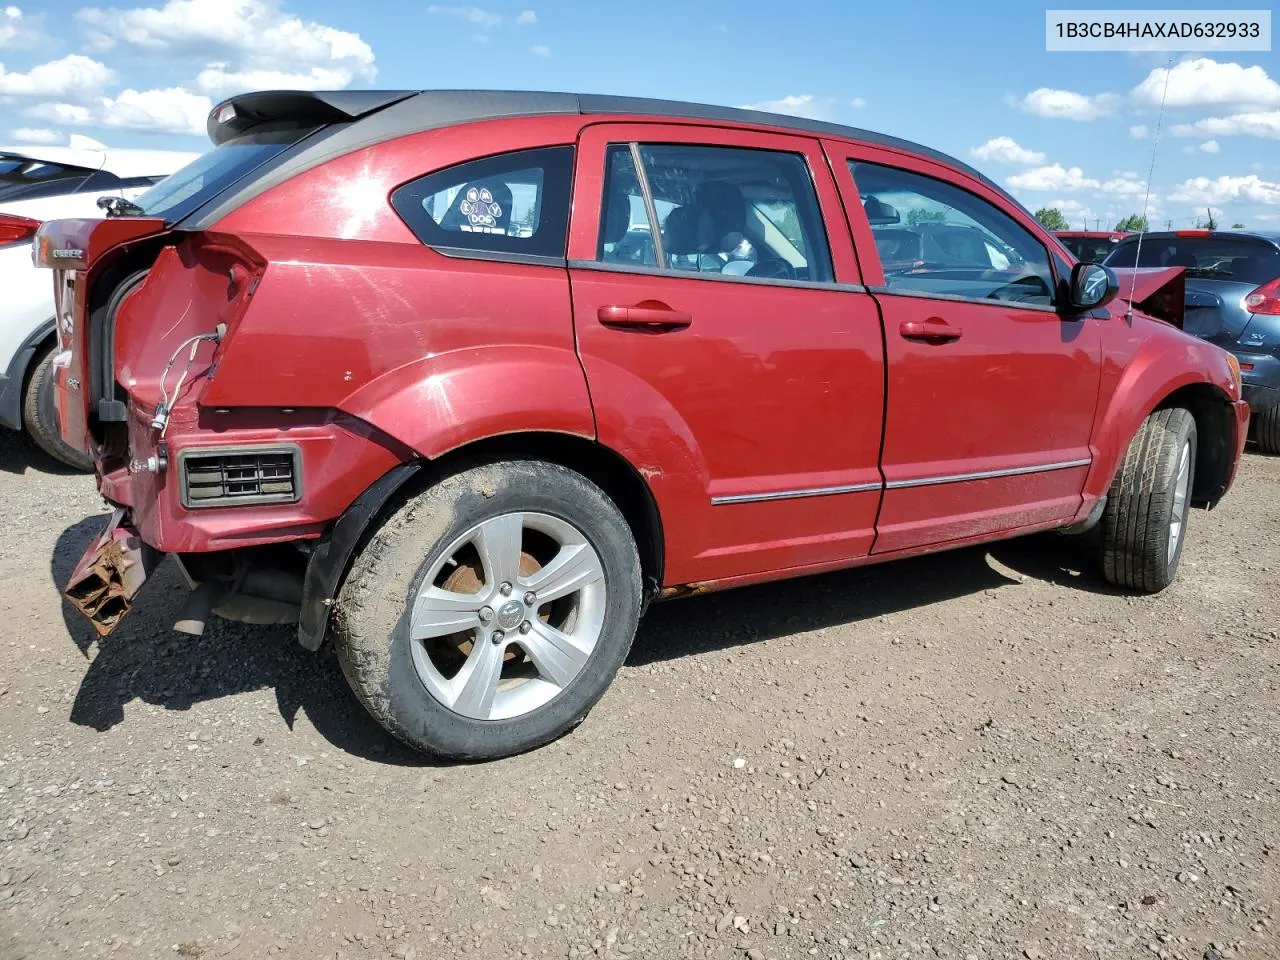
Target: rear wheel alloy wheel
pixel 488 613
pixel 523 629
pixel 1144 525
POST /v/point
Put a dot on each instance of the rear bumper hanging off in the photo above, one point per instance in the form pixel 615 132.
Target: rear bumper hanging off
pixel 110 574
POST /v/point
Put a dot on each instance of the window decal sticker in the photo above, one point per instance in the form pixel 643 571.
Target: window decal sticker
pixel 481 210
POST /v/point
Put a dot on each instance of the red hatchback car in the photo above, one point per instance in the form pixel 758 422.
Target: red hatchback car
pixel 462 380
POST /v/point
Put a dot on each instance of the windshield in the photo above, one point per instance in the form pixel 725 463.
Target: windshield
pixel 210 174
pixel 1235 259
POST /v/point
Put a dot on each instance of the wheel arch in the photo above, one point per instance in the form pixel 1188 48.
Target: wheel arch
pixel 609 470
pixel 1210 406
pixel 1215 429
pixel 21 367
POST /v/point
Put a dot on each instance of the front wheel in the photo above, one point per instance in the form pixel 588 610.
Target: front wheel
pixel 1144 524
pixel 40 417
pixel 489 613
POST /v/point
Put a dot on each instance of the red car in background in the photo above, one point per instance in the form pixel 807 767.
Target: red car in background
pixel 463 380
pixel 1091 246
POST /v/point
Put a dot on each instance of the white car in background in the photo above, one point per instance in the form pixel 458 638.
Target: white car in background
pixel 39 183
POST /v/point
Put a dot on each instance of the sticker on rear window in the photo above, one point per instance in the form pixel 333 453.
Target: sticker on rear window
pixel 481 210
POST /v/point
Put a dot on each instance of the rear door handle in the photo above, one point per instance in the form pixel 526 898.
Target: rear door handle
pixel 932 330
pixel 646 315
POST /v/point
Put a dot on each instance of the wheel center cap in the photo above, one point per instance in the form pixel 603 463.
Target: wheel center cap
pixel 510 614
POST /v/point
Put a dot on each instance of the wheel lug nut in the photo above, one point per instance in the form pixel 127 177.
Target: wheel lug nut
pixel 497 636
pixel 526 627
pixel 486 614
pixel 530 599
pixel 505 589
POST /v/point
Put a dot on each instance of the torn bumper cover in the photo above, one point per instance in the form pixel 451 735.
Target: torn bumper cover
pixel 110 574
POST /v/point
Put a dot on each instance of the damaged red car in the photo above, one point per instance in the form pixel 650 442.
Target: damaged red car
pixel 462 380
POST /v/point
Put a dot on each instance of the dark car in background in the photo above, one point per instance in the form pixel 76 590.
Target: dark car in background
pixel 1091 246
pixel 1232 300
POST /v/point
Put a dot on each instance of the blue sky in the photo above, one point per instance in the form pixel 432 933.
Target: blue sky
pixel 1067 129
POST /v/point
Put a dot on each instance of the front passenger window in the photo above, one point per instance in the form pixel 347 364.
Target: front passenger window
pixel 934 238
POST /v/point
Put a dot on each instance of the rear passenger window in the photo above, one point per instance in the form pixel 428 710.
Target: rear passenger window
pixel 722 211
pixel 515 203
pixel 625 236
pixel 934 238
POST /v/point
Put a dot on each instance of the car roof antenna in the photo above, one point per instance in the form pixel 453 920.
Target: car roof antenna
pixel 1146 200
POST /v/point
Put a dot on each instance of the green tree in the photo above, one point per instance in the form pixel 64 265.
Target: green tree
pixel 917 216
pixel 1134 222
pixel 1212 224
pixel 1237 226
pixel 1051 218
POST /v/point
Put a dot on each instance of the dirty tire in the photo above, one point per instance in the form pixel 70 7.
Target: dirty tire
pixel 1266 429
pixel 40 417
pixel 1136 524
pixel 370 628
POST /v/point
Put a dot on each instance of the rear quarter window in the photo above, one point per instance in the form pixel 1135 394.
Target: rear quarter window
pixel 513 204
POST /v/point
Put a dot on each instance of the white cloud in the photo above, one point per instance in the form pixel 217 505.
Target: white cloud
pixel 1124 187
pixel 527 18
pixel 1006 150
pixel 174 110
pixel 1255 124
pixel 19 30
pixel 540 50
pixel 1139 131
pixel 857 103
pixel 1205 82
pixel 1078 214
pixel 796 105
pixel 1201 191
pixel 1066 104
pixel 1052 177
pixel 479 16
pixel 236 37
pixel 217 81
pixel 36 135
pixel 1210 146
pixel 73 76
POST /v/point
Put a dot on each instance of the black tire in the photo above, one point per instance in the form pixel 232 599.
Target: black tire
pixel 1137 521
pixel 40 417
pixel 1266 429
pixel 370 626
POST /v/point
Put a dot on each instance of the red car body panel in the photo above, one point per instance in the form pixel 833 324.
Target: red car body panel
pixel 1014 390
pixel 348 336
pixel 737 390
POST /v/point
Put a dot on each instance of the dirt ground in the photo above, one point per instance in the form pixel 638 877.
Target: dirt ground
pixel 981 754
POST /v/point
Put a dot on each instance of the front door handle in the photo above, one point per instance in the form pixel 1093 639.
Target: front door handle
pixel 651 315
pixel 932 330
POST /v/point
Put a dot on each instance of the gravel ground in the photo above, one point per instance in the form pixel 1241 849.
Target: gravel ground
pixel 982 754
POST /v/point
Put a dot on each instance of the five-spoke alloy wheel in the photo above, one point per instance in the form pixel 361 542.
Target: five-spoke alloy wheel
pixel 489 612
pixel 497 633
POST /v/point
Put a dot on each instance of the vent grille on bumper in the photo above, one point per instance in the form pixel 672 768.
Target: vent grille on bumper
pixel 240 476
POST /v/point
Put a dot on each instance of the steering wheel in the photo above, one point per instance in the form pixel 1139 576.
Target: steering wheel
pixel 773 268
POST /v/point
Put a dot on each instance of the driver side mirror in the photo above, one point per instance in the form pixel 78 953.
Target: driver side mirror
pixel 1092 285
